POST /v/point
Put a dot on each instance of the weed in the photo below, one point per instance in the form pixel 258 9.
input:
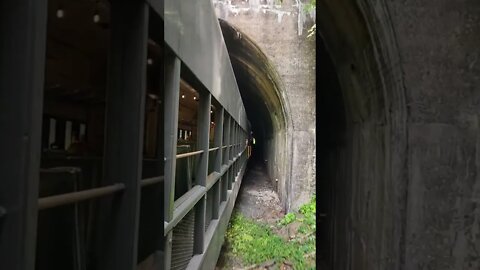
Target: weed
pixel 256 243
pixel 287 219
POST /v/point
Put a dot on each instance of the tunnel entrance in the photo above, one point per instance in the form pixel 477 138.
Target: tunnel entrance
pixel 257 85
pixel 267 187
pixel 266 107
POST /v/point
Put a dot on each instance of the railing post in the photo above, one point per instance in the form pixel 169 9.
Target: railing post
pixel 160 164
pixel 232 137
pixel 230 156
pixel 218 159
pixel 224 179
pixel 219 120
pixel 226 142
pixel 203 128
pixel 125 113
pixel 235 139
pixel 237 147
pixel 171 103
pixel 226 154
pixel 23 25
pixel 245 138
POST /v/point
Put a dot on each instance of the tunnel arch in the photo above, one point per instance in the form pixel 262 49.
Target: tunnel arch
pixel 367 169
pixel 267 106
pixel 366 175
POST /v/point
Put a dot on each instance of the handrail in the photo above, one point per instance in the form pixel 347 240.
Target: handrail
pixel 189 154
pixel 150 181
pixel 191 198
pixel 213 178
pixel 73 197
pixel 184 155
pixel 187 201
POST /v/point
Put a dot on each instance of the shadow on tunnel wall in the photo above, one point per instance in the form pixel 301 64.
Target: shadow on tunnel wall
pixel 330 145
pixel 361 148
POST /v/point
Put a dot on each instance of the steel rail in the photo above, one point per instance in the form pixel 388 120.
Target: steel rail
pixel 150 181
pixel 78 196
pixel 189 154
pixel 187 201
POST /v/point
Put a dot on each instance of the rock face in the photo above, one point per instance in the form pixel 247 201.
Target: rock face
pixel 280 31
pixel 399 159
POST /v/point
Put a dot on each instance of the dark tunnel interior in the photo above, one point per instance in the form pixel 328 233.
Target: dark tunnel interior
pixel 261 90
pixel 254 82
pixel 331 127
pixel 257 111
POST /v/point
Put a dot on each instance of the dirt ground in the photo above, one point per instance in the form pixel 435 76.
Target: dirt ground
pixel 257 200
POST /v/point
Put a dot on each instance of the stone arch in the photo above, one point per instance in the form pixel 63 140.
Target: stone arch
pixel 266 102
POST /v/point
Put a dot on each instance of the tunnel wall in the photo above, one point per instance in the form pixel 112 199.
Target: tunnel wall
pixel 405 175
pixel 439 45
pixel 280 32
pixel 406 180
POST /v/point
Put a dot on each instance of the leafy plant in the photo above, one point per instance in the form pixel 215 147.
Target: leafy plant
pixel 310 5
pixel 256 243
pixel 287 219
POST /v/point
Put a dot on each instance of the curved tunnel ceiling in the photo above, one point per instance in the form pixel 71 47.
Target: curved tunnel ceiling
pixel 257 80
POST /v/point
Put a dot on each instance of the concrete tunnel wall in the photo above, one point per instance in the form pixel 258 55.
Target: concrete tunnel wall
pixel 267 110
pixel 403 169
pixel 267 47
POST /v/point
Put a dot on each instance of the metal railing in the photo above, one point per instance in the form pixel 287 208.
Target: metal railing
pixel 195 223
pixel 19 192
pixel 188 218
pixel 78 196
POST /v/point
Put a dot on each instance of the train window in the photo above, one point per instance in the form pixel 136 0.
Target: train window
pixel 60 135
pixel 152 111
pixel 72 131
pixel 187 115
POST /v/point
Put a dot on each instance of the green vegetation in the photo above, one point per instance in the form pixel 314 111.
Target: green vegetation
pixel 256 243
pixel 309 221
pixel 287 219
pixel 310 5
